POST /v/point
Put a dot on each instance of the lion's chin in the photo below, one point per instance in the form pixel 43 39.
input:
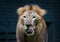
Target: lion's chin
pixel 29 34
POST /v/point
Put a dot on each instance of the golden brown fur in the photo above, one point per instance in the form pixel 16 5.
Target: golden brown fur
pixel 40 30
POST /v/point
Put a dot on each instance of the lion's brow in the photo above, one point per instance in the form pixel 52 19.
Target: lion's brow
pixel 31 11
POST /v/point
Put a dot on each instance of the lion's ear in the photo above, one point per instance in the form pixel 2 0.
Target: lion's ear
pixel 39 10
pixel 42 12
pixel 21 10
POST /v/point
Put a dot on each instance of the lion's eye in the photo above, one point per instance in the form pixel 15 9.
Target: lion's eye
pixel 33 16
pixel 24 16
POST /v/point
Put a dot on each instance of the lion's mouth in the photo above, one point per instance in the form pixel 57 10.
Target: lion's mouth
pixel 29 32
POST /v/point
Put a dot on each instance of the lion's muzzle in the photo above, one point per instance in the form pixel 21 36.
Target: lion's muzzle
pixel 29 31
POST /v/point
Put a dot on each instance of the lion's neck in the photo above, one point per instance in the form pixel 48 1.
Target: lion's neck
pixel 31 38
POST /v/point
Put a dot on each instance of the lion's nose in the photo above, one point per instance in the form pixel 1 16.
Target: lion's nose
pixel 28 25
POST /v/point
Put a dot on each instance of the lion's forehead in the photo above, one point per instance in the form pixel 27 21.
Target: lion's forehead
pixel 30 12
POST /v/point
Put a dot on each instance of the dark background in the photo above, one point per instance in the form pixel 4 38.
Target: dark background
pixel 8 18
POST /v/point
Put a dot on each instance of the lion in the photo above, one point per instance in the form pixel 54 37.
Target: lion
pixel 31 26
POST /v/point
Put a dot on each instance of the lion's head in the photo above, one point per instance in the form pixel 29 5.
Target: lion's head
pixel 31 18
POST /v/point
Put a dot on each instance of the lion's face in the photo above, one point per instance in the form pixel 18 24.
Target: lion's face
pixel 30 19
